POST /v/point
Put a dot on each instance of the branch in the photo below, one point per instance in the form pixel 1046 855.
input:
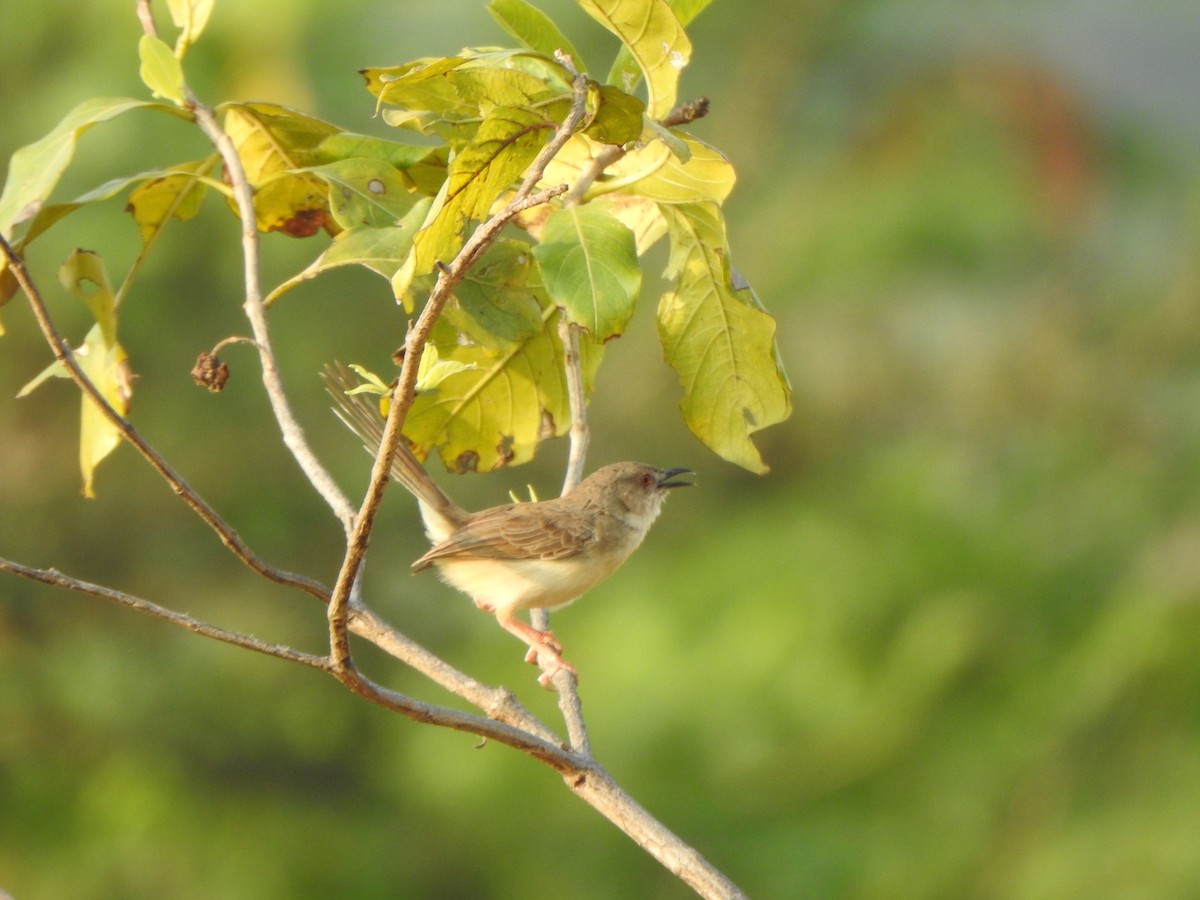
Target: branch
pixel 293 435
pixel 414 347
pixel 65 355
pixel 56 578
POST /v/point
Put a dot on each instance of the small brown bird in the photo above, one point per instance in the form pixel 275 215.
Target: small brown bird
pixel 521 556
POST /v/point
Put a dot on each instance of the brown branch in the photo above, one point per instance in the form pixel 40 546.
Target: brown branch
pixel 402 397
pixel 55 578
pixel 65 355
pixel 293 435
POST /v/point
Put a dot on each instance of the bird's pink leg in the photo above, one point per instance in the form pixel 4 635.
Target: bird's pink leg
pixel 539 643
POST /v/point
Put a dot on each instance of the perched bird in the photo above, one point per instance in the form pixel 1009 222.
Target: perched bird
pixel 521 556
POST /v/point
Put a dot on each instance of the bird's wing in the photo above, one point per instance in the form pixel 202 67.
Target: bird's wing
pixel 518 531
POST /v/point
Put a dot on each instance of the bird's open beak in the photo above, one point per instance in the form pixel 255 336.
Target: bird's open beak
pixel 665 481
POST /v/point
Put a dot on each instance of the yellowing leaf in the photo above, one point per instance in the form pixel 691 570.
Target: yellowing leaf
pixel 718 340
pixel 382 250
pixel 190 17
pixel 589 265
pixel 656 41
pixel 100 357
pixel 495 414
pixel 625 70
pixel 160 70
pixel 273 142
pixel 506 143
pixel 176 195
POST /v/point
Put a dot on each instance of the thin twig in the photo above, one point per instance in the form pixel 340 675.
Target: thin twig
pixel 293 434
pixel 65 355
pixel 56 578
pixel 402 396
pixel 579 435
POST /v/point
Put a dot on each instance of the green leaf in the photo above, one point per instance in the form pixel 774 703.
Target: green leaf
pixel 625 70
pixel 346 145
pixel 102 359
pixel 506 143
pixel 190 17
pixel 656 41
pixel 496 413
pixel 366 192
pixel 496 304
pixel 618 119
pixel 589 265
pixel 533 28
pixel 160 70
pixel 35 169
pixel 381 250
pixel 719 341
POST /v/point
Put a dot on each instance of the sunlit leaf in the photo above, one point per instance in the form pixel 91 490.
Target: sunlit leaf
pixel 641 216
pixel 366 192
pixel 381 250
pixel 506 143
pixel 100 357
pixel 346 145
pixel 273 142
pixel 160 70
pixel 625 70
pixel 433 370
pixel 34 170
pixel 655 39
pixel 496 413
pixel 719 341
pixel 533 28
pixel 190 17
pixel 589 266
pixel 176 195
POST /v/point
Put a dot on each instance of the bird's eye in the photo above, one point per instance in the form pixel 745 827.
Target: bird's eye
pixel 647 479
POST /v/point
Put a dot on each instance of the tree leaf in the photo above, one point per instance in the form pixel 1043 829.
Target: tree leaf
pixel 506 143
pixel 275 143
pixel 495 414
pixel 366 192
pixel 100 357
pixel 175 195
pixel 381 250
pixel 656 41
pixel 533 28
pixel 160 70
pixel 618 117
pixel 34 170
pixel 589 265
pixel 625 70
pixel 190 17
pixel 719 340
pixel 497 303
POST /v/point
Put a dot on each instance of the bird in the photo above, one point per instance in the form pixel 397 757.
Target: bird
pixel 521 556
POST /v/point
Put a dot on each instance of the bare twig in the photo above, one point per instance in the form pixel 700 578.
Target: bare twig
pixel 293 434
pixel 579 435
pixel 402 397
pixel 65 355
pixel 56 578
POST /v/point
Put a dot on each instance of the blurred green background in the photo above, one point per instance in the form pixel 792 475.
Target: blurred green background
pixel 949 647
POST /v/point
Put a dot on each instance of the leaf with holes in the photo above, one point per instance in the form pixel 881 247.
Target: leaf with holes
pixel 656 41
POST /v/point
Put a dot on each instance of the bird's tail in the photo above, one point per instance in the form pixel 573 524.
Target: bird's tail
pixel 361 415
